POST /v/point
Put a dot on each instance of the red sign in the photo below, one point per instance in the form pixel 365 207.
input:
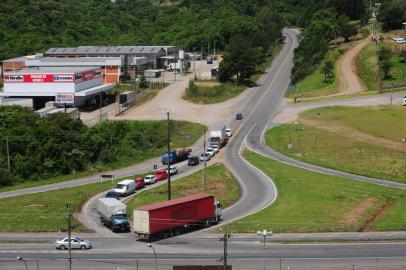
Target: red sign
pixel 39 78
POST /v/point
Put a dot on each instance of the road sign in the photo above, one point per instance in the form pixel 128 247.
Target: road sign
pixel 65 98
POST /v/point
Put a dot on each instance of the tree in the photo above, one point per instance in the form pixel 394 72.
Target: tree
pixel 240 59
pixel 328 69
pixel 345 28
pixel 403 55
pixel 384 55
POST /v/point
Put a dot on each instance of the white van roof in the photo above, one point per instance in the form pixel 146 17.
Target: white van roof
pixel 126 182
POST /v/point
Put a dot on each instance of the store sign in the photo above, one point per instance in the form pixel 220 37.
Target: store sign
pixel 39 78
pixel 65 98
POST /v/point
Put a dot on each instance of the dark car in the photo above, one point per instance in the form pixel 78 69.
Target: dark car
pixel 193 160
pixel 112 194
pixel 238 116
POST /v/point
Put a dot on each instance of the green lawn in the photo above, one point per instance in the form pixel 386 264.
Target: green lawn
pixel 208 94
pixel 314 85
pixel 314 202
pixel 183 134
pixel 335 151
pixel 46 211
pixel 388 122
pixel 367 66
pixel 219 182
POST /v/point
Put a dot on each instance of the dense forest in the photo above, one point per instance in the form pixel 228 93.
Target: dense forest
pixel 40 148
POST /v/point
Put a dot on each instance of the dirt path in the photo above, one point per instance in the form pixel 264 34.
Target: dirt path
pixel 350 83
pixel 170 99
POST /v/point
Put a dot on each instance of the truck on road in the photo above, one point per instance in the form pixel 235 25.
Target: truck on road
pixel 177 155
pixel 113 214
pixel 171 217
pixel 218 136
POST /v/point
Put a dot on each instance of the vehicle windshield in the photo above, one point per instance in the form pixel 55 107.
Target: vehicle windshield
pixel 120 216
pixel 214 139
pixel 120 186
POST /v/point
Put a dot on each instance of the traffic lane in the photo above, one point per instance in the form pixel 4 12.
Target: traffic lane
pixel 235 250
pixel 256 263
pixel 258 189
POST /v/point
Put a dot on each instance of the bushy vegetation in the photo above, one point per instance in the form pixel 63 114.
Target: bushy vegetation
pixel 58 145
pixel 207 94
pixel 392 14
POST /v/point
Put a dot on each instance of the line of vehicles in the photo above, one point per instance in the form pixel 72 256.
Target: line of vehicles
pixel 170 217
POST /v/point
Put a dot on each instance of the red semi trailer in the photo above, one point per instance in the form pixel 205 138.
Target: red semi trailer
pixel 161 219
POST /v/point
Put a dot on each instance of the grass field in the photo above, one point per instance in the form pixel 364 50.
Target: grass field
pixel 183 134
pixel 219 182
pixel 367 67
pixel 46 211
pixel 391 119
pixel 364 140
pixel 205 94
pixel 314 202
pixel 314 85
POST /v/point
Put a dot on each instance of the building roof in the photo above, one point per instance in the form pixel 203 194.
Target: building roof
pixel 74 61
pixel 40 70
pixel 110 50
pixel 17 59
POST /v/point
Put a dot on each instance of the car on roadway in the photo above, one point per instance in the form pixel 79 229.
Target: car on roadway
pixel 149 179
pixel 204 157
pixel 210 151
pixel 238 116
pixel 228 132
pixel 172 170
pixel 215 148
pixel 193 161
pixel 76 243
pixel 161 175
pixel 112 194
pixel 404 101
pixel 139 183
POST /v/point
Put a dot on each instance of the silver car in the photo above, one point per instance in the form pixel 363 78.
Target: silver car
pixel 76 243
pixel 149 179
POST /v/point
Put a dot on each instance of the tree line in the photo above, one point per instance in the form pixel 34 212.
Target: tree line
pixel 41 148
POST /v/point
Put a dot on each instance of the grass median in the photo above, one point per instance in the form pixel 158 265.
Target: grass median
pixel 347 139
pixel 313 202
pixel 46 211
pixel 219 182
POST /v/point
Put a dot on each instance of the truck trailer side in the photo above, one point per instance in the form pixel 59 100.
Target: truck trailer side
pixel 163 219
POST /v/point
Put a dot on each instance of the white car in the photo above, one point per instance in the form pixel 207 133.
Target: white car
pixel 228 132
pixel 404 101
pixel 204 157
pixel 210 151
pixel 215 148
pixel 173 170
pixel 149 179
pixel 75 242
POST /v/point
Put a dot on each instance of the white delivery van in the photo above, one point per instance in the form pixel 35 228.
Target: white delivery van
pixel 125 187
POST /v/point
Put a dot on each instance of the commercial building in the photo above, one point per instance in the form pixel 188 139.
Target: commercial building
pixel 66 85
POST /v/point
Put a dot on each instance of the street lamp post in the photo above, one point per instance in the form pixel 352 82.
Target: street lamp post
pixel 204 162
pixel 22 259
pixel 156 262
pixel 169 163
pixel 264 234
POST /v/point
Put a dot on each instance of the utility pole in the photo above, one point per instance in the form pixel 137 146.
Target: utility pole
pixel 8 155
pixel 100 107
pixel 224 239
pixel 169 163
pixel 70 227
pixel 204 163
